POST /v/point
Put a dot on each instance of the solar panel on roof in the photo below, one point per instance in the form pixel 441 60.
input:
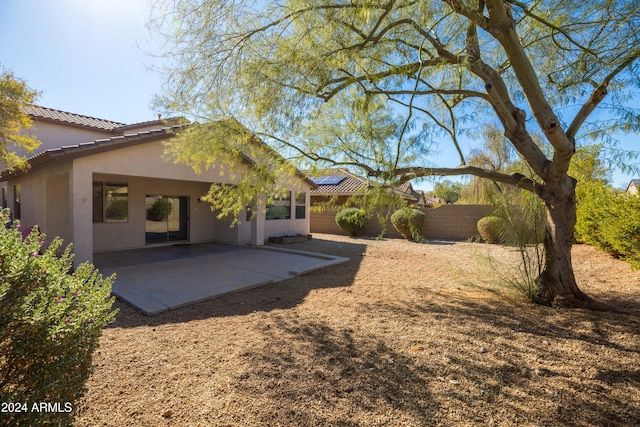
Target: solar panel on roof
pixel 333 179
pixel 329 180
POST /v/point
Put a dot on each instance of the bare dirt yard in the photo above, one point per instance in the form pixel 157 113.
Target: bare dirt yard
pixel 406 334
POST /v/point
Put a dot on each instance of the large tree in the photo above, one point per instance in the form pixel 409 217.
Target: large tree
pixel 15 95
pixel 441 69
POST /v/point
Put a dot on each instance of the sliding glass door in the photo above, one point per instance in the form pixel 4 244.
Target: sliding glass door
pixel 167 219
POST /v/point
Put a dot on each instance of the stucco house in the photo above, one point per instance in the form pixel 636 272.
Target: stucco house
pixel 339 184
pixel 426 200
pixel 107 186
pixel 634 187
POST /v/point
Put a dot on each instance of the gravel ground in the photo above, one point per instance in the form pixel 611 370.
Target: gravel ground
pixel 406 334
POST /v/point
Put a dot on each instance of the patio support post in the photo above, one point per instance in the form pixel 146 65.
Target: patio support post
pixel 81 214
pixel 258 223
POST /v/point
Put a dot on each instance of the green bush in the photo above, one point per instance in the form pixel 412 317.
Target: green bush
pixel 408 222
pixel 51 320
pixel 490 229
pixel 159 210
pixel 351 220
pixel 117 210
pixel 610 221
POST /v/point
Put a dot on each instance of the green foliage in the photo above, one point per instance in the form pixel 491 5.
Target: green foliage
pixel 490 229
pixel 523 225
pixel 522 217
pixel 495 154
pixel 117 209
pixel 246 165
pixel 588 166
pixel 448 190
pixel 51 320
pixel 610 221
pixel 371 85
pixel 327 82
pixel 14 96
pixel 606 218
pixel 519 220
pixel 408 222
pixel 159 210
pixel 351 220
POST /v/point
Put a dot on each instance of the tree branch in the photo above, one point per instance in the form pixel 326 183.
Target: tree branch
pixel 527 11
pixel 599 94
pixel 516 179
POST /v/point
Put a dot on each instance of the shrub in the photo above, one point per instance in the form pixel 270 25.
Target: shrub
pixel 408 222
pixel 610 221
pixel 351 220
pixel 118 210
pixel 159 210
pixel 490 229
pixel 51 320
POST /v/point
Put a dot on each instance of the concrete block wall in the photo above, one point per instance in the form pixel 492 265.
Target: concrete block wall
pixel 453 222
pixel 447 222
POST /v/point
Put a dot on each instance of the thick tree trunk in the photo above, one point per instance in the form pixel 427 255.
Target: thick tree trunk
pixel 558 284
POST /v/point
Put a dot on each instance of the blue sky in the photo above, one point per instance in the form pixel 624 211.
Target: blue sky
pixel 85 56
pixel 88 57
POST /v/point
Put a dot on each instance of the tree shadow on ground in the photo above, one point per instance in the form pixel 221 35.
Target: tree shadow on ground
pixel 568 367
pixel 280 295
pixel 308 373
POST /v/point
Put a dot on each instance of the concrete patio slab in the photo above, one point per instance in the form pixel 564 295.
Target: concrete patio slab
pixel 163 278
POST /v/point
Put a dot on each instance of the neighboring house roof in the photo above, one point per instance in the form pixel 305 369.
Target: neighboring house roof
pixel 406 188
pixel 634 184
pixel 49 114
pixel 344 184
pixel 425 199
pixel 341 182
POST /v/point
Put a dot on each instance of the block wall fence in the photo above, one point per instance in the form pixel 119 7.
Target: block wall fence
pixel 447 222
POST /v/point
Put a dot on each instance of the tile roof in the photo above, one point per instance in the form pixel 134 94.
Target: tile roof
pixel 91 147
pixel 425 199
pixel 44 113
pixel 405 188
pixel 113 142
pixel 352 184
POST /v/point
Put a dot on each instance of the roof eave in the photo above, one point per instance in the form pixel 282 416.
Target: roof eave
pixel 98 146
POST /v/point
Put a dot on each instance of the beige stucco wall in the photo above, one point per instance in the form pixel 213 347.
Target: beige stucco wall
pixel 33 188
pixel 131 234
pixel 58 197
pixel 144 168
pixel 147 160
pixel 58 207
pixel 288 227
pixel 45 200
pixel 53 135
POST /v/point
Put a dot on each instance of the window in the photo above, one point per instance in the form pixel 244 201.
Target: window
pixel 17 211
pixel 301 205
pixel 110 202
pixel 4 197
pixel 280 207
